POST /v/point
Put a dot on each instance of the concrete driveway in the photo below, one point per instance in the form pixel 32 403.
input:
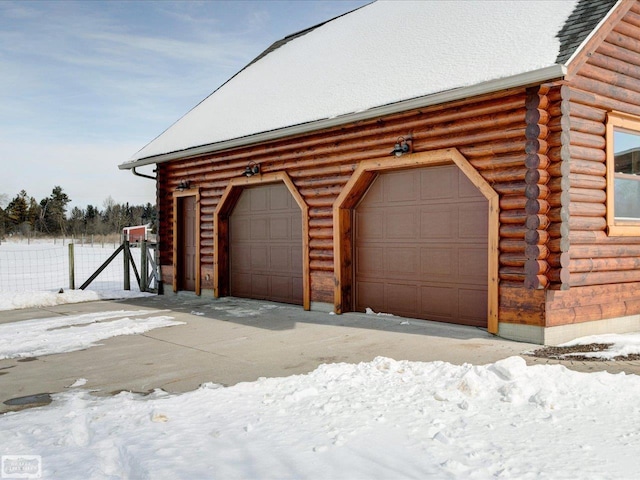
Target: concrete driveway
pixel 231 340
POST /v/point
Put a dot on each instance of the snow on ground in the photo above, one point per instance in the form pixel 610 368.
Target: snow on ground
pixel 36 274
pixel 45 336
pixel 382 419
pixel 16 300
pixel 620 345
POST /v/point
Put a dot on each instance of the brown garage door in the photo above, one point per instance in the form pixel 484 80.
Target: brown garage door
pixel 421 240
pixel 265 243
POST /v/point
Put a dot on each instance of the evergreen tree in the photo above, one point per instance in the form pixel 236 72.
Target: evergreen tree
pixel 24 214
pixel 3 227
pixel 77 222
pixel 92 220
pixel 17 213
pixel 33 213
pixel 54 211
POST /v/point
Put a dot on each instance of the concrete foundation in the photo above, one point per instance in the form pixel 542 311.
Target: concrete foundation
pixel 565 333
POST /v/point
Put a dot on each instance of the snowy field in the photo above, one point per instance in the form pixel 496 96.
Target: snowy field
pixel 384 419
pixel 32 274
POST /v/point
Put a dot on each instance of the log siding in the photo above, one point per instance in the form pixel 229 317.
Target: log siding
pixel 603 270
pixel 541 149
pixel 490 132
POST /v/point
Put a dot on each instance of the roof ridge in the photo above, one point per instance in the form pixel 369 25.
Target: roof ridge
pixel 283 41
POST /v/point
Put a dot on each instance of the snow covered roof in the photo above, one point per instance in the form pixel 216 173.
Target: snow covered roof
pixel 382 58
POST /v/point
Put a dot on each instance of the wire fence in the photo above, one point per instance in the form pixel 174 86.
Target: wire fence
pixel 44 266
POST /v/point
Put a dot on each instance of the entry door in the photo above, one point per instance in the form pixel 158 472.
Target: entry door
pixel 187 250
pixel 421 243
pixel 265 245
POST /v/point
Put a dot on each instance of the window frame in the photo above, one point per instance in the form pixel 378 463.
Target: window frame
pixel 617 121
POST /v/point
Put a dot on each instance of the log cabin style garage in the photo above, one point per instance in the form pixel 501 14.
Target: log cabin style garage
pixel 447 164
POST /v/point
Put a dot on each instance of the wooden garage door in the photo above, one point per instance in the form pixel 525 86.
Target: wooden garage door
pixel 421 239
pixel 265 243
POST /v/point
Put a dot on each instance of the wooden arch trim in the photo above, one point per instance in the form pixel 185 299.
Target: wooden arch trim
pixel 356 187
pixel 221 228
pixel 193 192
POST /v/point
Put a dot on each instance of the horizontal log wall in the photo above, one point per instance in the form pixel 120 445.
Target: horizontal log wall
pixel 602 271
pixel 491 132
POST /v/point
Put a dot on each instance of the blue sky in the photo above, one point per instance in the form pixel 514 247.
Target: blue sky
pixel 85 84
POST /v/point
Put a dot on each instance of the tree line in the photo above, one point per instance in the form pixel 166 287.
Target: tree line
pixel 24 215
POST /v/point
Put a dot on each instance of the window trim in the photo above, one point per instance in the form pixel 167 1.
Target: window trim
pixel 618 121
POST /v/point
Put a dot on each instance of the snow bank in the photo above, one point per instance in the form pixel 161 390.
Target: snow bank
pixel 383 419
pixel 38 299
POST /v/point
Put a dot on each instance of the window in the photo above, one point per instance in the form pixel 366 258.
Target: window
pixel 623 174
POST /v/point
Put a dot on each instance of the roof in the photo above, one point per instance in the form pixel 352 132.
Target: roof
pixel 382 58
pixel 582 21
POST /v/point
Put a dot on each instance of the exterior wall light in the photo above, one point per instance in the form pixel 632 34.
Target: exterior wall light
pixel 401 147
pixel 183 185
pixel 252 169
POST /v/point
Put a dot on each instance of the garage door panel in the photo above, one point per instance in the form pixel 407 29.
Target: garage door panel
pixel 472 225
pixel 406 188
pixel 439 221
pixel 402 262
pixel 438 262
pixel 371 294
pixel 401 224
pixel 259 229
pixel 259 286
pixel 259 200
pixel 369 224
pixel 467 190
pixel 279 258
pixel 281 284
pixel 472 265
pixel 280 199
pixel 438 301
pixel 259 258
pixel 375 194
pixel 242 283
pixel 239 228
pixel 437 184
pixel 370 260
pixel 241 258
pixel 431 261
pixel 279 228
pixel 472 305
pixel 266 245
pixel 296 290
pixel 295 258
pixel 296 227
pixel 401 298
pixel 243 203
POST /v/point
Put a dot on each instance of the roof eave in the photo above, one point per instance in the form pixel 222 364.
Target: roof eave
pixel 552 72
